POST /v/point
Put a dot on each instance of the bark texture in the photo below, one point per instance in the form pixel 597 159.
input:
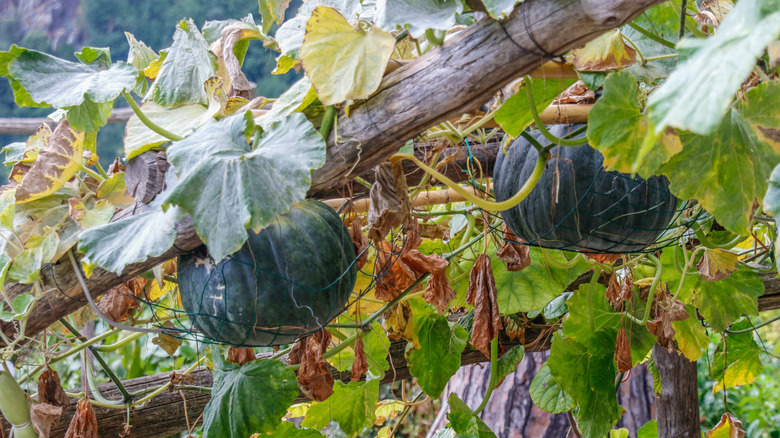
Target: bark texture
pixel 678 406
pixel 510 413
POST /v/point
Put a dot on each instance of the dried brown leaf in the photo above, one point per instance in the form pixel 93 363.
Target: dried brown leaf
pixel 578 92
pixel 516 256
pixel 116 166
pixel 613 291
pixel 602 258
pixel 666 312
pixel 43 416
pixel 84 423
pixel 239 84
pixel 623 351
pixel 482 295
pixel 607 52
pixel 360 241
pixel 514 328
pixel 180 379
pixel 394 275
pixel 314 378
pixel 241 355
pixel 390 205
pixel 360 365
pixel 118 303
pixel 439 291
pixel 627 289
pixel 50 389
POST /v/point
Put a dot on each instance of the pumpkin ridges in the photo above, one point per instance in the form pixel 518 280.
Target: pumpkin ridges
pixel 592 205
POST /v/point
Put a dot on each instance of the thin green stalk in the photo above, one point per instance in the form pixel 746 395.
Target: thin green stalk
pixel 101 170
pixel 651 35
pixel 651 295
pixel 146 121
pixel 493 374
pixel 705 241
pixel 659 57
pixel 642 60
pixel 103 364
pixel 481 203
pixel 163 388
pixel 529 92
pixel 90 172
pixel 15 407
pixel 755 327
pixel 441 213
pixel 119 344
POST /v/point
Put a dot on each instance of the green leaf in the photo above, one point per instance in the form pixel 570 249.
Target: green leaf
pixel 299 96
pixel 226 186
pixel 557 307
pixel 725 172
pixel 85 91
pixel 26 266
pixel 88 55
pixel 351 406
pixel 723 302
pixel 376 345
pixel 248 398
pixel 653 370
pixel 7 209
pixel 180 120
pixel 772 197
pixel 618 433
pixel 114 191
pixel 465 422
pixel 618 129
pixel 649 430
pixel 508 362
pixel 100 213
pixel 438 356
pixel 500 9
pixel 739 362
pixel 140 55
pixel 140 236
pixel 188 65
pixel 342 62
pixel 417 15
pixel 588 375
pixel 535 286
pixel 760 112
pixel 515 114
pixel 288 430
pixel 19 307
pixel 698 92
pixel 547 395
pixel 690 336
pixel 272 11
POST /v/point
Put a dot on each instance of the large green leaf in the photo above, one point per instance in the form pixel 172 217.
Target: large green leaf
pixel 115 245
pixel 351 405
pixel 228 186
pixel 86 92
pixel 248 398
pixel 588 375
pixel 690 335
pixel 186 68
pixel 515 114
pixel 532 288
pixel 438 356
pixel 465 422
pixel 417 15
pixel 725 172
pixel 343 62
pixel 738 362
pixel 617 128
pixel 697 94
pixel 547 395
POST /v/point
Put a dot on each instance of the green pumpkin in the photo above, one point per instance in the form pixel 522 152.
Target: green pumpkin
pixel 578 206
pixel 288 280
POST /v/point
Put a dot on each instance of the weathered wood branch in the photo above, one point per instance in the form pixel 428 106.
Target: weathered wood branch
pixel 165 414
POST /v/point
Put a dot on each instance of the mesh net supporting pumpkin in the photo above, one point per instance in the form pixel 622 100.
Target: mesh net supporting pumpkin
pixel 577 205
pixel 287 281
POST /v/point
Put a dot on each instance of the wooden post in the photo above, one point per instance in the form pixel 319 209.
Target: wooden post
pixel 678 407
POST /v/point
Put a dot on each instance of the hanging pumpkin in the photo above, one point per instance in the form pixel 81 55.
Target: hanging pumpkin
pixel 577 205
pixel 288 280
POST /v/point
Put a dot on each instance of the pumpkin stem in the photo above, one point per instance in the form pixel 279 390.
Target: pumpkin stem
pixel 469 196
pixel 529 91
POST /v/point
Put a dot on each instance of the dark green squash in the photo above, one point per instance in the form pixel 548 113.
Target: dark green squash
pixel 288 280
pixel 578 206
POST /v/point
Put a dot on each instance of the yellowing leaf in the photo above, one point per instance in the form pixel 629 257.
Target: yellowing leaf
pixel 298 410
pixel 115 191
pixel 606 53
pixel 387 410
pixel 343 62
pixel 717 264
pixel 55 165
pixel 727 427
pixel 155 292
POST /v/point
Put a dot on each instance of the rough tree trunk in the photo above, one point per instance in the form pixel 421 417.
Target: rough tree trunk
pixel 678 406
pixel 510 413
